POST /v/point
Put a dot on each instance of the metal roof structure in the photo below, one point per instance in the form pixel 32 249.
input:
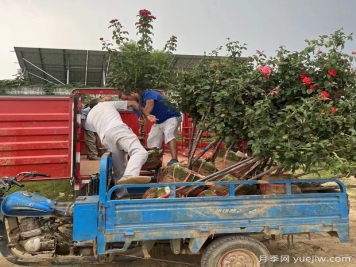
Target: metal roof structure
pixel 64 66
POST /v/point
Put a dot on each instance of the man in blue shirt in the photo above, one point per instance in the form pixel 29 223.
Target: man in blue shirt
pixel 166 126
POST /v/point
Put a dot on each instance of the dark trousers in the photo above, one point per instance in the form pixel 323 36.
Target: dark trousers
pixel 91 143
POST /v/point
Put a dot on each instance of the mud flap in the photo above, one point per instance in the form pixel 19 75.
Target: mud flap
pixel 1 219
pixel 2 234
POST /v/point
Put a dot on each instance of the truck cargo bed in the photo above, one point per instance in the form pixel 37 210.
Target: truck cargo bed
pixel 88 167
pixel 199 218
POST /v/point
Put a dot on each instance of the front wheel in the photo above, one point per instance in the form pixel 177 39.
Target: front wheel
pixel 231 251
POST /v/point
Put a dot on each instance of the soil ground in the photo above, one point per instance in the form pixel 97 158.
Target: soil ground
pixel 320 246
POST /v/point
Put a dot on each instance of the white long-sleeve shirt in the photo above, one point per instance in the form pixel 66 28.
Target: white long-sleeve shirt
pixel 105 116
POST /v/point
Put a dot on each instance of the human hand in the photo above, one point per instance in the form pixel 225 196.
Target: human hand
pixel 152 118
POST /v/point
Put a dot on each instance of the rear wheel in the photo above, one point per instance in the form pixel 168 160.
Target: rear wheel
pixel 236 251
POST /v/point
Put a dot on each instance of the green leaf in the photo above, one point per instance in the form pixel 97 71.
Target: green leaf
pixel 314 158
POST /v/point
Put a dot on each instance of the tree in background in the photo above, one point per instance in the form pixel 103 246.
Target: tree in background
pixel 136 66
pixel 20 80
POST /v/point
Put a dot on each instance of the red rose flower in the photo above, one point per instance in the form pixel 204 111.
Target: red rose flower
pixel 302 76
pixel 306 81
pixel 324 94
pixel 101 39
pixel 319 52
pixel 144 12
pixel 332 72
pixel 333 110
pixel 312 87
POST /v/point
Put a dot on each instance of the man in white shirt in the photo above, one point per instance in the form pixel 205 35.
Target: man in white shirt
pixel 118 138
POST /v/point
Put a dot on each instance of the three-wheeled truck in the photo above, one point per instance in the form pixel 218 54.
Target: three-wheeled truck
pixel 98 229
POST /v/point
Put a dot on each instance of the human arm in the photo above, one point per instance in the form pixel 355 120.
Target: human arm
pixel 123 105
pixel 147 115
pixel 149 106
pixel 148 98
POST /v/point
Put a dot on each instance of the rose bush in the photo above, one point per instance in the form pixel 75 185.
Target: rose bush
pixel 136 65
pixel 296 108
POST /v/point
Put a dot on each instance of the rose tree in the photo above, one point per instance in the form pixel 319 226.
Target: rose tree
pixel 136 66
pixel 296 108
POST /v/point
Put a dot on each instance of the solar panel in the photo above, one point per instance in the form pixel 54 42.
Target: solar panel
pixel 88 67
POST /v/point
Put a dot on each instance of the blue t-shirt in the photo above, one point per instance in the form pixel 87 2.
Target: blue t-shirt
pixel 85 113
pixel 161 110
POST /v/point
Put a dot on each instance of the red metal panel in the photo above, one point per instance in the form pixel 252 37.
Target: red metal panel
pixel 36 134
pixel 130 118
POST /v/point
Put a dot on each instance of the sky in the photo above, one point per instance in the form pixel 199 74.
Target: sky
pixel 200 25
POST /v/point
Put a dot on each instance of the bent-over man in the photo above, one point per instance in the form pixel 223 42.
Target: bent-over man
pixel 118 138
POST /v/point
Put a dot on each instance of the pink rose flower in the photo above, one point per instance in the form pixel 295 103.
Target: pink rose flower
pixel 266 71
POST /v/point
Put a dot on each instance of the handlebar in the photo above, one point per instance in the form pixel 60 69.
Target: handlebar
pixel 31 174
pixel 43 174
pixel 15 181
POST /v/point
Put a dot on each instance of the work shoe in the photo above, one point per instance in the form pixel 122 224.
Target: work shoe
pixel 172 161
pixel 134 180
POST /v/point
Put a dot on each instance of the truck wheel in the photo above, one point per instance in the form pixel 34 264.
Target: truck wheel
pixel 229 251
